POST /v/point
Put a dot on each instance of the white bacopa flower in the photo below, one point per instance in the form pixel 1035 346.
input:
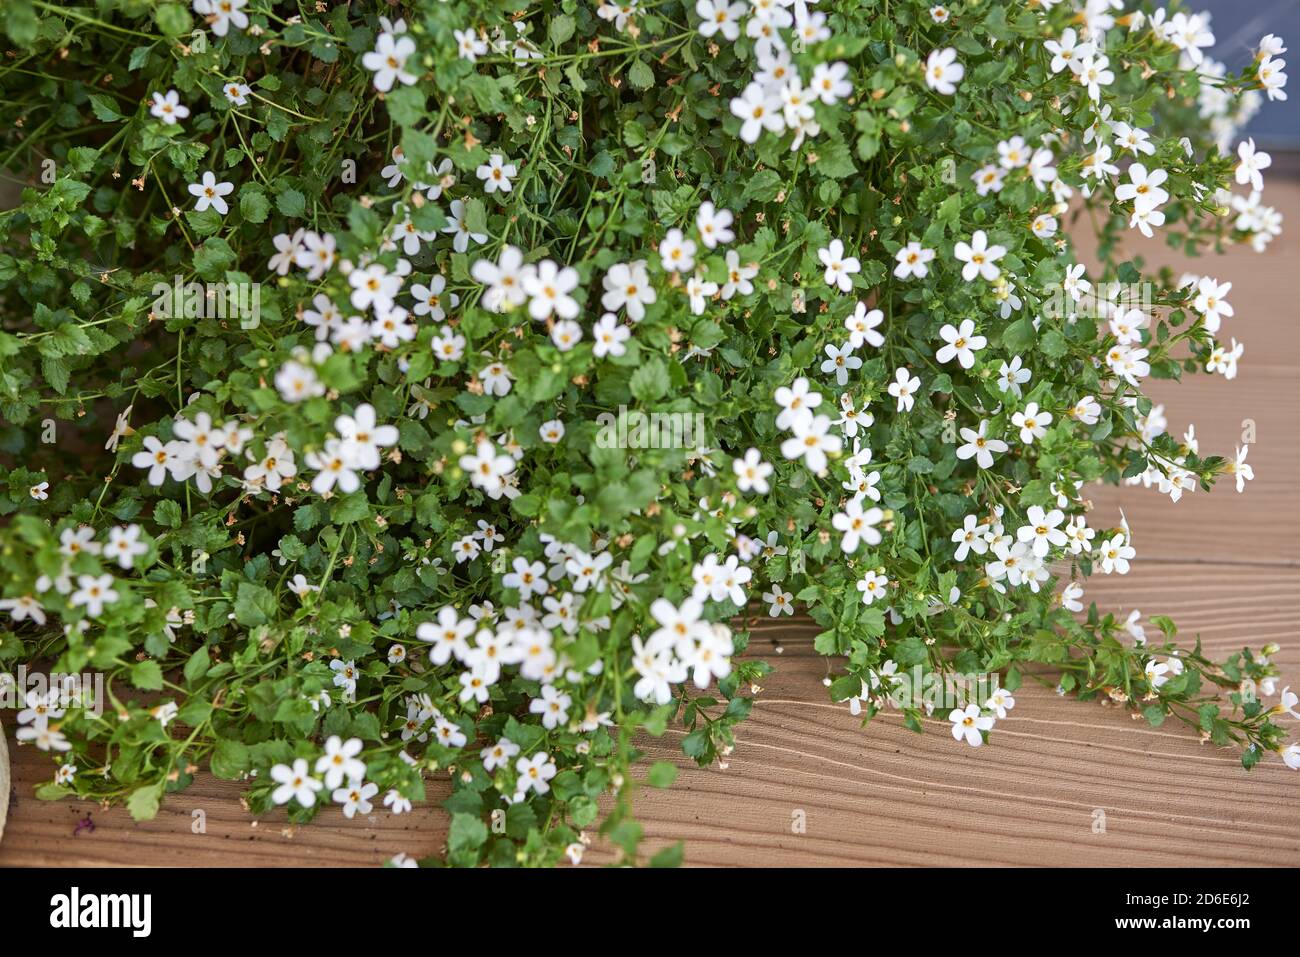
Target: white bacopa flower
pixel 811 442
pixel 334 467
pixel 237 93
pixel 210 193
pixel 1115 555
pixel 1250 163
pixel 752 472
pixel 1012 375
pixel 698 292
pixel 553 706
pixel 124 545
pixel 970 538
pixel 1032 423
pixel 609 337
pixel 340 761
pixel 486 468
pixel 551 432
pixel 536 772
pixel 223 14
pixel 1070 597
pixel 469 45
pixel 980 446
pixel 676 252
pixel 738 276
pixel 1144 188
pixel 960 343
pixel 566 334
pixel 830 83
pixel 979 257
pixel 862 325
pixel 496 379
pixel 497 174
pixel 1043 530
pixel 759 109
pixel 797 403
pixel 779 602
pixel 943 72
pixel 968 723
pixel 1000 702
pixel 388 61
pixel 504 279
pixel 857 525
pixel 1086 410
pixel 1068 52
pixel 628 286
pixel 459 229
pixel 433 300
pixel 355 798
pixel 1211 302
pixel 548 288
pixel 93 593
pixel 988 179
pixel 168 107
pixel 714 225
pixel 296 783
pixel 904 388
pixel 1094 73
pixel 840 360
pixel 872 585
pixel 840 268
pixel 1271 77
pixel 720 17
pixel 913 260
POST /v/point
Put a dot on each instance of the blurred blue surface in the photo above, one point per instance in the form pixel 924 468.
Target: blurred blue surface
pixel 1238 26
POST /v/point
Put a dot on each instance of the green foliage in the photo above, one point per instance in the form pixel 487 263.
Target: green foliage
pixel 255 607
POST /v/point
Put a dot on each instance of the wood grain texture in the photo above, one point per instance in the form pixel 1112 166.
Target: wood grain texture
pixel 1225 566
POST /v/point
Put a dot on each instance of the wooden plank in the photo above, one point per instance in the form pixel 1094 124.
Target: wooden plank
pixel 47 834
pixel 866 793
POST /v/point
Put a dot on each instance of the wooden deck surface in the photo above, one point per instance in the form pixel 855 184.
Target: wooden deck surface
pixel 1223 565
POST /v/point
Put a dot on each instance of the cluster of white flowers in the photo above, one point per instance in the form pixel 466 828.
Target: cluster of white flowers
pixel 382 312
pixel 776 98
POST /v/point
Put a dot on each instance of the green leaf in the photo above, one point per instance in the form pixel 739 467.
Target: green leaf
pixel 168 514
pixel 253 204
pixel 762 186
pixel 144 801
pixel 467 833
pixel 671 856
pixel 254 605
pixel 172 19
pixel 650 381
pixel 661 774
pixel 147 675
pixel 291 203
pixel 640 75
pixel 352 507
pixel 197 665
pixel 104 108
pixel 213 258
pixel 561 28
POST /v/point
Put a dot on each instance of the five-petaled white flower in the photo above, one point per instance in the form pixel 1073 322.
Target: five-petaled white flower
pixel 979 446
pixel 967 724
pixel 210 193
